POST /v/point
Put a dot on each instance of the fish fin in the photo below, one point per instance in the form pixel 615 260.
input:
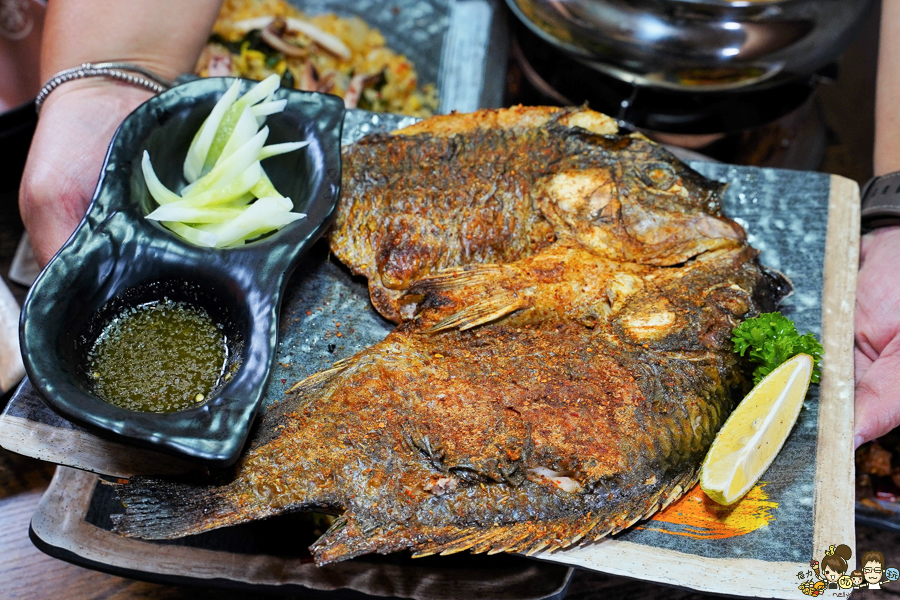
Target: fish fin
pixel 350 539
pixel 679 488
pixel 345 540
pixel 467 277
pixel 317 380
pixel 480 313
pixel 480 291
pixel 527 538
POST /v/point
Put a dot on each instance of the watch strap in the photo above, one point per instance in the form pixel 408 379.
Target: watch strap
pixel 881 201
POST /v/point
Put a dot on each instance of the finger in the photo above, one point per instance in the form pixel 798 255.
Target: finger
pixel 51 206
pixel 878 399
pixel 50 238
pixel 862 363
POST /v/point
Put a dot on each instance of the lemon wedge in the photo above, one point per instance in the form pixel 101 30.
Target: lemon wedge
pixel 755 432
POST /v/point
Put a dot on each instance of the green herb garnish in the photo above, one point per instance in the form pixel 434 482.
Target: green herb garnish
pixel 773 339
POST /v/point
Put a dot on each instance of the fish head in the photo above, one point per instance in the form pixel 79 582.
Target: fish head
pixel 646 206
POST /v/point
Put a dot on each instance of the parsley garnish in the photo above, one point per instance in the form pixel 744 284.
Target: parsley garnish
pixel 773 339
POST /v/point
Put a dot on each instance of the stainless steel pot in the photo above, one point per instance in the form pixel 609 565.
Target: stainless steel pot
pixel 698 45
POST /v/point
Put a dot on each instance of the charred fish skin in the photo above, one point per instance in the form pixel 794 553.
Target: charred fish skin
pixel 559 394
pixel 393 228
pixel 401 213
pixel 523 434
pixel 645 206
pixel 594 461
pixel 408 475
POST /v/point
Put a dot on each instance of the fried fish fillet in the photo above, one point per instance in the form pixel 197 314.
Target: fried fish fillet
pixel 528 400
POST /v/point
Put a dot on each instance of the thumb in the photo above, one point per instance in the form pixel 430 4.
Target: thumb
pixel 878 399
pixel 50 213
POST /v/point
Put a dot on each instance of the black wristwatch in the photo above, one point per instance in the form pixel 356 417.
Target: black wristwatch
pixel 881 202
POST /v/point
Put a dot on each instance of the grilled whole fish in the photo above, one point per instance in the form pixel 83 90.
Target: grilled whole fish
pixel 559 394
pixel 497 186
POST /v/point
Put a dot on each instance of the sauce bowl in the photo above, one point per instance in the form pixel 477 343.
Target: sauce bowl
pixel 117 259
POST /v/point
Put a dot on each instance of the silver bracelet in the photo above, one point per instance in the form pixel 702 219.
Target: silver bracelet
pixel 115 70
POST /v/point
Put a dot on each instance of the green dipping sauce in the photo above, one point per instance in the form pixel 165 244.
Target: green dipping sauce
pixel 160 357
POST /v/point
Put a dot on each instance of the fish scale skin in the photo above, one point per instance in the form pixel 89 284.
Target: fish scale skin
pixel 556 397
pixel 373 435
pixel 396 238
pixel 396 227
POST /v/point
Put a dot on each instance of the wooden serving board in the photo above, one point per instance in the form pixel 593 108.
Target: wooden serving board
pixel 804 224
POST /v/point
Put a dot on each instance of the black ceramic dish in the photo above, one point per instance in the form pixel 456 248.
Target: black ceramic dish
pixel 117 258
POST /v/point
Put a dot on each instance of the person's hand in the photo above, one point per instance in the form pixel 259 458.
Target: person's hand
pixel 79 117
pixel 76 124
pixel 877 327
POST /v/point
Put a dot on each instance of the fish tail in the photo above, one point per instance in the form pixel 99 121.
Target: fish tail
pixel 163 509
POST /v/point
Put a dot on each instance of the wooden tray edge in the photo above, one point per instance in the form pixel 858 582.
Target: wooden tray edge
pixel 834 507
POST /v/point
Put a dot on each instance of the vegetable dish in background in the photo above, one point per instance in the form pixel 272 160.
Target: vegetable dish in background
pixel 322 53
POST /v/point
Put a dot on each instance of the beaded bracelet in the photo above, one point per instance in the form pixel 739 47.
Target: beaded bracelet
pixel 115 70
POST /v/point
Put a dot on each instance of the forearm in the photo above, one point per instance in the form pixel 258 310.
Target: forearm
pixel 79 118
pixel 887 115
pixel 165 36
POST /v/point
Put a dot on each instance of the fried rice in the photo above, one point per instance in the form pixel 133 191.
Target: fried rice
pixel 358 65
